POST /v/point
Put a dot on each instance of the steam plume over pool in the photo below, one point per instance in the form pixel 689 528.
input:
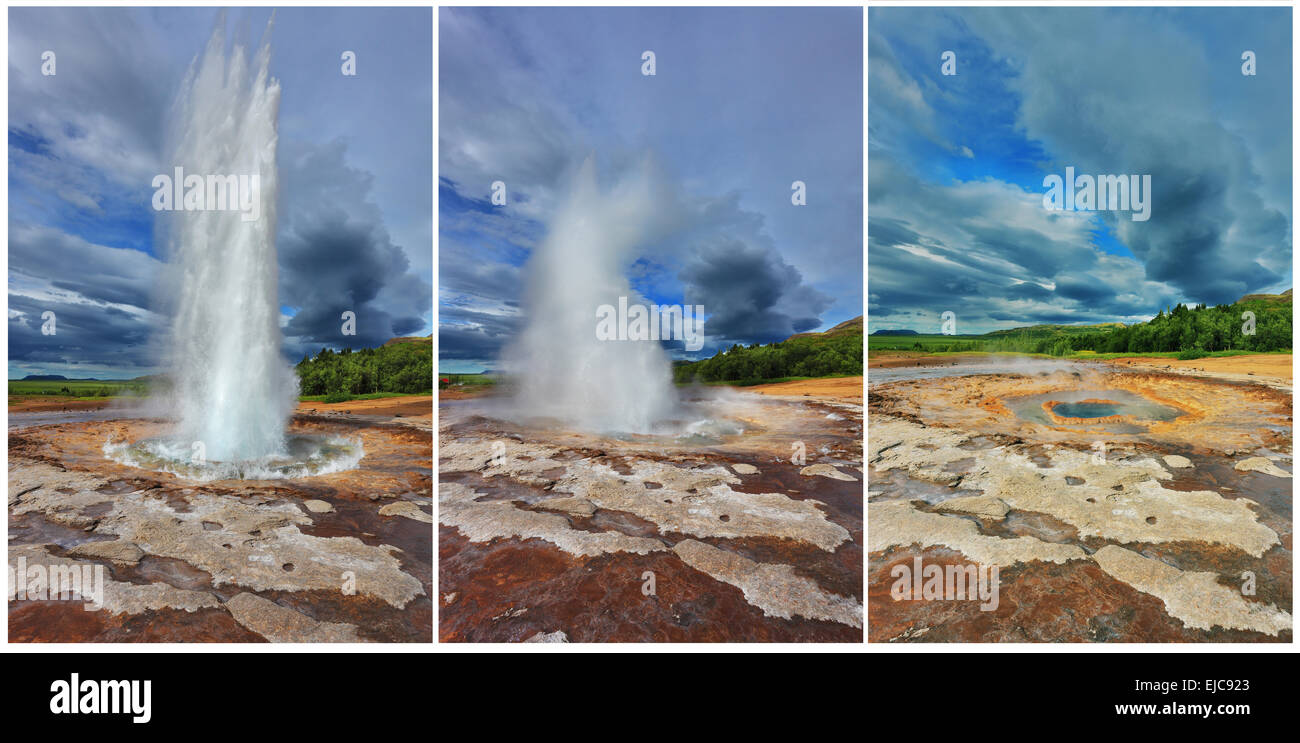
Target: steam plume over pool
pixel 562 370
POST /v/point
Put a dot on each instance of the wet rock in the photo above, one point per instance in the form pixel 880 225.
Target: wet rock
pixel 898 524
pixel 408 510
pixel 1196 598
pixel 485 521
pixel 252 543
pixel 318 506
pixel 825 470
pixel 281 624
pixel 118 550
pixel 1116 501
pixel 745 469
pixel 118 597
pixel 776 589
pixel 1174 460
pixel 1262 465
pixel 694 501
pixel 575 506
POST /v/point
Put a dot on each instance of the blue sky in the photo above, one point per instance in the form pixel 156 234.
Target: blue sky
pixel 85 144
pixel 957 162
pixel 744 101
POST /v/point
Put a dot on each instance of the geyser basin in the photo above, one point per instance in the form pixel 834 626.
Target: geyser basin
pixel 1121 410
pixel 303 456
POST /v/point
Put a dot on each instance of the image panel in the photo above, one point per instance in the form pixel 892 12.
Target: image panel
pixel 1080 325
pixel 220 325
pixel 650 325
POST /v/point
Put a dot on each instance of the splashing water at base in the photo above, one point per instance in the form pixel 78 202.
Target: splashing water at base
pixel 303 456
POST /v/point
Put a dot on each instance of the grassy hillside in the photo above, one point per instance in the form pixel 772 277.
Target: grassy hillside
pixel 837 351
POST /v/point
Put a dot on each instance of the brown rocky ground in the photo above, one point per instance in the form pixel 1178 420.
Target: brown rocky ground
pixel 553 535
pixel 341 557
pixel 1262 366
pixel 1147 541
pixel 834 388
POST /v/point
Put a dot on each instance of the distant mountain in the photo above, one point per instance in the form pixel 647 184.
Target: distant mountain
pixel 846 328
pixel 45 378
pixel 1283 298
pixel 896 332
pixel 410 339
pixel 1044 330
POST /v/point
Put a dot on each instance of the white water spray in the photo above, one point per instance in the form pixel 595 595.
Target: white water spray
pixel 234 392
pixel 561 370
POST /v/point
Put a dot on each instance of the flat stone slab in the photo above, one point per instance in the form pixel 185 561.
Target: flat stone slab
pixel 408 510
pixel 776 589
pixel 556 636
pixel 281 624
pixel 825 470
pixel 984 506
pixel 1195 598
pixel 118 550
pixel 1262 465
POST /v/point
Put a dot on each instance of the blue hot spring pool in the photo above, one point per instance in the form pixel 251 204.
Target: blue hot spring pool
pixel 1093 403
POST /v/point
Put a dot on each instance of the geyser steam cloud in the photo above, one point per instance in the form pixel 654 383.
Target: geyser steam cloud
pixel 562 370
pixel 233 390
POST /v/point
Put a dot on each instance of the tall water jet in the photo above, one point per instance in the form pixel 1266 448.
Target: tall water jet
pixel 562 370
pixel 234 391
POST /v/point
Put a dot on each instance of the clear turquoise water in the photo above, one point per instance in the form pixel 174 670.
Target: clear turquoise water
pixel 1088 409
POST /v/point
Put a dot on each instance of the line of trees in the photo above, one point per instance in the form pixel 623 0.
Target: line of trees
pixel 405 367
pixel 1189 331
pixel 1199 328
pixel 817 355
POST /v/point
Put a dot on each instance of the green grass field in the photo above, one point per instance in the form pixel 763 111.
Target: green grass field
pixel 929 343
pixel 937 349
pixel 464 379
pixel 367 396
pixel 84 390
pixel 78 389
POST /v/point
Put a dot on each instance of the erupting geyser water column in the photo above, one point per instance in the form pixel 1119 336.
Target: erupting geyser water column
pixel 562 371
pixel 234 391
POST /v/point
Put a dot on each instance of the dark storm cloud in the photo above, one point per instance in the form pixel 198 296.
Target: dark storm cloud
pixel 750 294
pixel 467 335
pixel 98 337
pixel 336 255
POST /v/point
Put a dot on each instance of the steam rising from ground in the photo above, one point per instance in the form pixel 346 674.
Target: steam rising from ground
pixel 233 391
pixel 560 368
